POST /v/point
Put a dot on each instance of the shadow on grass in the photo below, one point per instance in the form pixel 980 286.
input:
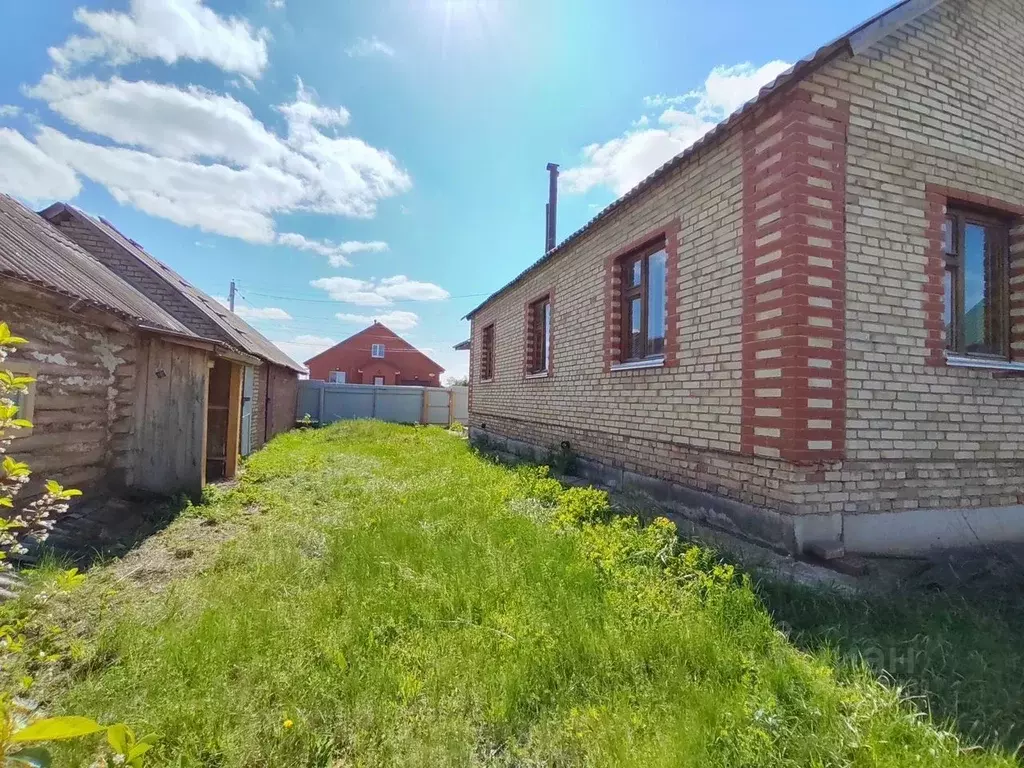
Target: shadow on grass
pixel 106 528
pixel 960 654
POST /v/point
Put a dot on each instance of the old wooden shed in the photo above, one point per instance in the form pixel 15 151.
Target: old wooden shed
pixel 127 394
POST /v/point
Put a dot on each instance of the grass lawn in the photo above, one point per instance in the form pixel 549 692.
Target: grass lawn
pixel 380 595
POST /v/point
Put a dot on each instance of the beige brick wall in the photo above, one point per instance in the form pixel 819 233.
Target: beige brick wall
pixel 939 102
pixel 694 404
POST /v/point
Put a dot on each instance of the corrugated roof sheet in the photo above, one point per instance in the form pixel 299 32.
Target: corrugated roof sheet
pixel 885 22
pixel 236 331
pixel 33 250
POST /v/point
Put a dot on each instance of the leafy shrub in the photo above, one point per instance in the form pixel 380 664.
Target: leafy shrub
pixel 581 505
pixel 535 483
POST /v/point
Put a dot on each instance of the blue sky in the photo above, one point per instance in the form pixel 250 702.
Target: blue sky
pixel 350 160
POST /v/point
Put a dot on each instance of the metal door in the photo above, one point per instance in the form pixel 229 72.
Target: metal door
pixel 246 425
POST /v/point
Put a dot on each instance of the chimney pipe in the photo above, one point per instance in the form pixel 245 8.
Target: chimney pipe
pixel 552 208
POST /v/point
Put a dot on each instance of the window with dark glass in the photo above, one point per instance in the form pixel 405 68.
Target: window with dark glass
pixel 487 353
pixel 977 248
pixel 644 304
pixel 538 352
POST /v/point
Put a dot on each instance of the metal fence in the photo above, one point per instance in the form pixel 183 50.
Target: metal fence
pixel 326 402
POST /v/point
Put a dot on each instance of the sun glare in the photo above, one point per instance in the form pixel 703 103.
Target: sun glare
pixel 472 20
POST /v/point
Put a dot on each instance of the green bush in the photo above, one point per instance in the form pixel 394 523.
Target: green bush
pixel 581 505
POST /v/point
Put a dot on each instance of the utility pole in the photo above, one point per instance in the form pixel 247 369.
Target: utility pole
pixel 231 296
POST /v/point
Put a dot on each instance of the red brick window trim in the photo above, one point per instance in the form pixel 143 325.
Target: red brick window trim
pixel 963 227
pixel 487 353
pixel 538 357
pixel 641 302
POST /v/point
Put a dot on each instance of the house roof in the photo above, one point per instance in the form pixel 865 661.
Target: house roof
pixel 235 331
pixel 33 250
pixel 463 346
pixel 377 325
pixel 855 41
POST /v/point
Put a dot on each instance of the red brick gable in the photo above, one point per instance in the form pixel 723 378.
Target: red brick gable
pixel 402 362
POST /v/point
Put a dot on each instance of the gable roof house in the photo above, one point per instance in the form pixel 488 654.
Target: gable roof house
pixel 121 385
pixel 268 377
pixel 130 391
pixel 810 324
pixel 375 355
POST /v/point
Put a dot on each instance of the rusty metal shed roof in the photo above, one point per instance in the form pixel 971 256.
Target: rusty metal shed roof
pixel 234 330
pixel 34 251
pixel 855 41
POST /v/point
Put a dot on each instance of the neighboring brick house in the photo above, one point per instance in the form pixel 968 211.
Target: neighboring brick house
pixel 824 339
pixel 270 381
pixel 375 355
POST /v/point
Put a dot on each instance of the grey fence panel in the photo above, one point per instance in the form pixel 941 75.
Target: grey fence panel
pixel 460 408
pixel 437 406
pixel 354 402
pixel 328 402
pixel 401 405
pixel 308 400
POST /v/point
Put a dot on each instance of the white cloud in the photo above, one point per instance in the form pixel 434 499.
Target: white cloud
pixel 168 30
pixel 351 290
pixel 661 100
pixel 336 253
pixel 401 288
pixel 168 121
pixel 275 5
pixel 9 110
pixel 396 320
pixel 260 174
pixel 303 347
pixel 381 293
pixel 27 172
pixel 214 198
pixel 254 313
pixel 242 81
pixel 305 113
pixel 371 46
pixel 621 163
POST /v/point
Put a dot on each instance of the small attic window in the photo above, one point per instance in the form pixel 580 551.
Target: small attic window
pixel 377 350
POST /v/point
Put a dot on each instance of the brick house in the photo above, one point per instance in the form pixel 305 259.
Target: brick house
pixel 375 355
pixel 811 322
pixel 269 379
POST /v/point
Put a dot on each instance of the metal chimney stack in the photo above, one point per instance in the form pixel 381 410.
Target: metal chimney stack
pixel 552 208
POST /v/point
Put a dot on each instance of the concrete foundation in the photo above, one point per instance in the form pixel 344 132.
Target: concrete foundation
pixel 880 533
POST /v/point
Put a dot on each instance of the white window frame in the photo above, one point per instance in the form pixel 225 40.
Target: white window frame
pixel 26 401
pixel 377 351
pixel 336 377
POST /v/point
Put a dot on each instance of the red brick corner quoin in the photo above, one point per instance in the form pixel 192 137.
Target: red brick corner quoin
pixel 613 291
pixel 794 290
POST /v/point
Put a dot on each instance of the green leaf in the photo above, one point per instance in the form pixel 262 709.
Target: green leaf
pixel 52 486
pixel 22 423
pixel 5 501
pixel 117 738
pixel 33 757
pixel 14 468
pixel 57 729
pixel 139 750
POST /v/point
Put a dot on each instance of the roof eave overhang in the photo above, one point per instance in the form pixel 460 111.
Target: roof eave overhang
pixel 854 42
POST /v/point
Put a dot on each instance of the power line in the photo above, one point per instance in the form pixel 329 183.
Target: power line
pixel 341 301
